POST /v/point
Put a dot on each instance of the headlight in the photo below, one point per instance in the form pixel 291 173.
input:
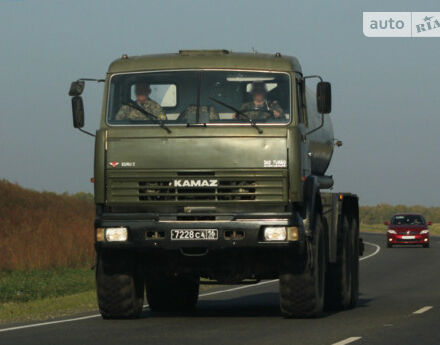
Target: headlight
pixel 116 234
pixel 392 232
pixel 273 233
pixel 425 231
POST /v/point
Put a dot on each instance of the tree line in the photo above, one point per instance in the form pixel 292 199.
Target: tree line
pixel 383 212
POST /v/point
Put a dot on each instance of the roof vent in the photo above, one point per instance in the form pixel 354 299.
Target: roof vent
pixel 204 52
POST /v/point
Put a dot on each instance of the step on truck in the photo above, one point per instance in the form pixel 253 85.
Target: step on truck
pixel 210 168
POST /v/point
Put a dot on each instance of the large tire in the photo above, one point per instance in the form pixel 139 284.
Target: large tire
pixel 355 274
pixel 172 293
pixel 120 286
pixel 302 288
pixel 342 286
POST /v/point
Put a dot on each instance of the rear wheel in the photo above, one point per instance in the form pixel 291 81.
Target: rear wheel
pixel 172 293
pixel 302 288
pixel 343 276
pixel 120 286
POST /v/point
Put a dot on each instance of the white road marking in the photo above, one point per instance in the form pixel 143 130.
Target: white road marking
pixel 49 323
pixel 422 310
pixel 202 295
pixel 347 341
pixel 372 254
pixel 238 288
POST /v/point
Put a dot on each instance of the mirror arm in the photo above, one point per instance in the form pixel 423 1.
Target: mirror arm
pixel 322 115
pixel 86 132
pixel 317 128
pixel 92 79
pixel 313 76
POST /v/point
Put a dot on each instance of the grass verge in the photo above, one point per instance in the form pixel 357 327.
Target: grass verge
pixel 47 308
pixel 42 295
pixel 25 286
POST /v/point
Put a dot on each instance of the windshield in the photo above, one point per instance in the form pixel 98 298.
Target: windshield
pixel 408 220
pixel 191 97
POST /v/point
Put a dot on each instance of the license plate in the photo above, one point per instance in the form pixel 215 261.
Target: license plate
pixel 408 237
pixel 195 235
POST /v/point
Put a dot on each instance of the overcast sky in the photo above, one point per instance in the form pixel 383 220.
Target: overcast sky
pixel 385 90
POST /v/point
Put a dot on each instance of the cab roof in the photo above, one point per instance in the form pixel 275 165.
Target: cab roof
pixel 196 59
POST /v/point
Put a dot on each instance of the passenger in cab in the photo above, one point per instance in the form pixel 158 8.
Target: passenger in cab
pixel 260 108
pixel 142 91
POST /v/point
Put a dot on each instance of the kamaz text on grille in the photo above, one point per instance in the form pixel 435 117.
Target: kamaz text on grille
pixel 195 183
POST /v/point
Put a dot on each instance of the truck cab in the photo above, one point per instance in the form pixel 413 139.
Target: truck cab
pixel 209 166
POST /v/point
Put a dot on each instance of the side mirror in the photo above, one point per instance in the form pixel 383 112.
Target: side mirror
pixel 76 88
pixel 429 223
pixel 386 223
pixel 78 112
pixel 324 97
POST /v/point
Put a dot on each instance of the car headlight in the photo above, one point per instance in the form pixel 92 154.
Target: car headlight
pixel 425 231
pixel 275 233
pixel 392 232
pixel 116 234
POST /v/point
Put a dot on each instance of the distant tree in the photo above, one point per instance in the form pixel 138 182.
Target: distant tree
pixel 84 196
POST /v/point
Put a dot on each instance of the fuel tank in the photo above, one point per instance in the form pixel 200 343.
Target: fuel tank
pixel 320 141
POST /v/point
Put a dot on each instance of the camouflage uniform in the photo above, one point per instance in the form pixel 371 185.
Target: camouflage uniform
pixel 150 106
pixel 203 109
pixel 264 112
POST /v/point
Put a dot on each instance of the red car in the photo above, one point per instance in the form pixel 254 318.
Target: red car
pixel 408 229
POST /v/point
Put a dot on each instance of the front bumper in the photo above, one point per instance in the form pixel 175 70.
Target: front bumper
pixel 404 239
pixel 246 231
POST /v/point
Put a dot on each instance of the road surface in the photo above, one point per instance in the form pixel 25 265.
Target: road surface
pixel 399 304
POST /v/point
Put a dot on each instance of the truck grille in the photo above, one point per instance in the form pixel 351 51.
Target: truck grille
pixel 226 190
pixel 135 186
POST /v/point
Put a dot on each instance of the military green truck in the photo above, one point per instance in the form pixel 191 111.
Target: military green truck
pixel 210 168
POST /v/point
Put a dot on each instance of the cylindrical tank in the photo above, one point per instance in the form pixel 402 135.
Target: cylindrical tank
pixel 320 141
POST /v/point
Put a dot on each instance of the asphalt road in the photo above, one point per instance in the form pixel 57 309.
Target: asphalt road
pixel 395 283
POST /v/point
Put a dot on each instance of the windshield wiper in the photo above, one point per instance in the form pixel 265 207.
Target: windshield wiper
pixel 239 112
pixel 151 116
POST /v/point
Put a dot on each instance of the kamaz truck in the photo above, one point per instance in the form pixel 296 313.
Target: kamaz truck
pixel 210 168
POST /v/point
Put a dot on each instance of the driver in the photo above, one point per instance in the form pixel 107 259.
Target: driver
pixel 260 108
pixel 142 91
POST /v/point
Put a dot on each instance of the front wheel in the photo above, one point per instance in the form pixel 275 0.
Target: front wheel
pixel 426 245
pixel 302 288
pixel 120 286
